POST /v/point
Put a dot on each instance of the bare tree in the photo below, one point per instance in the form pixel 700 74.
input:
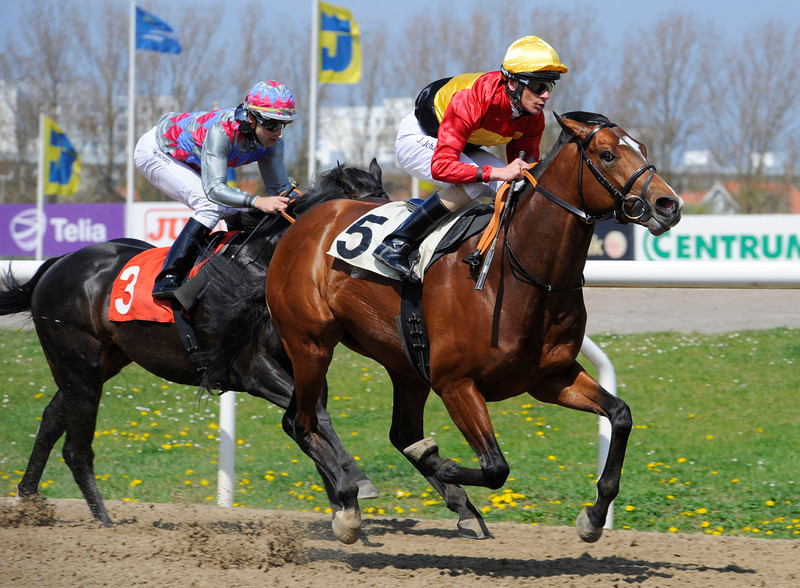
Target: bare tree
pixel 663 68
pixel 104 51
pixel 40 60
pixel 753 98
pixel 427 50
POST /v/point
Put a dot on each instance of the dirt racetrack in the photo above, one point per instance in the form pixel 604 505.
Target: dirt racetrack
pixel 174 545
pixel 179 545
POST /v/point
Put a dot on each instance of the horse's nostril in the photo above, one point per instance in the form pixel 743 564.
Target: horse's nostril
pixel 667 204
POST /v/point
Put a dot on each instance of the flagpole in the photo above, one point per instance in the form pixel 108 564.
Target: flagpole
pixel 312 92
pixel 131 120
pixel 40 226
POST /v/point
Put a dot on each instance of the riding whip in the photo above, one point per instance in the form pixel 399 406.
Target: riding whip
pixel 490 254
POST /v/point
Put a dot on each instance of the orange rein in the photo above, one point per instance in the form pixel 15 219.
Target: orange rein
pixel 499 204
pixel 284 214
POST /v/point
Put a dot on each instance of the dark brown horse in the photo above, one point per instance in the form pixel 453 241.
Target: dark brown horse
pixel 69 299
pixel 521 333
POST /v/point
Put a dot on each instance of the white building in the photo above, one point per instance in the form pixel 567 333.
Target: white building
pixel 355 134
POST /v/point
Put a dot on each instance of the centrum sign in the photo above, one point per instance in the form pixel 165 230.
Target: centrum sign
pixel 744 237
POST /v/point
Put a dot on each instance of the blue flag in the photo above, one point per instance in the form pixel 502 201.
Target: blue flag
pixel 62 164
pixel 154 34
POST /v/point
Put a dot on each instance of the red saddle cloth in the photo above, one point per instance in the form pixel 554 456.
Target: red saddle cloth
pixel 132 291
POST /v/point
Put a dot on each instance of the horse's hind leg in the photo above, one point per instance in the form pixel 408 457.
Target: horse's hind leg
pixel 407 436
pixel 79 364
pixel 51 428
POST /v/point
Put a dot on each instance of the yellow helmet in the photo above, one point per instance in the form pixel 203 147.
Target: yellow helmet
pixel 532 57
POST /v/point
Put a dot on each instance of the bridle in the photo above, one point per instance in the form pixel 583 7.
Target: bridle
pixel 629 208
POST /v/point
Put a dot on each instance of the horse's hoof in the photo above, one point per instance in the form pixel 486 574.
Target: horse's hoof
pixel 473 528
pixel 586 530
pixel 366 490
pixel 421 449
pixel 347 525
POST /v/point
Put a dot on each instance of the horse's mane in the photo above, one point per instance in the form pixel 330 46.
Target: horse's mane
pixel 237 311
pixel 587 118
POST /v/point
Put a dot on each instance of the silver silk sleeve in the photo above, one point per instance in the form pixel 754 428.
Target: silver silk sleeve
pixel 214 172
pixel 273 171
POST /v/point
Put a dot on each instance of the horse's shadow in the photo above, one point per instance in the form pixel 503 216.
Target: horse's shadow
pixel 630 570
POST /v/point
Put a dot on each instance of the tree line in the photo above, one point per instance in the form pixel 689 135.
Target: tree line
pixel 679 83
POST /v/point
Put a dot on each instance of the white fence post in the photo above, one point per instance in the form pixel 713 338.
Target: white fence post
pixel 226 477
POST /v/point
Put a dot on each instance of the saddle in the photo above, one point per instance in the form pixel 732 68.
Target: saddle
pixel 131 293
pixel 478 217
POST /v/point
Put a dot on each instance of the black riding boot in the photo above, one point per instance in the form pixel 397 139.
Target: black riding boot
pixel 395 248
pixel 179 259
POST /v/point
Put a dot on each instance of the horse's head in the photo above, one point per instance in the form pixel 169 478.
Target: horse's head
pixel 342 182
pixel 624 183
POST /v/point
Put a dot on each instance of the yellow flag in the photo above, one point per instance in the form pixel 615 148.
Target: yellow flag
pixel 62 164
pixel 339 46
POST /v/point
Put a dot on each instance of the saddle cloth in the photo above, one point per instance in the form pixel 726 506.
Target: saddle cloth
pixel 132 291
pixel 356 243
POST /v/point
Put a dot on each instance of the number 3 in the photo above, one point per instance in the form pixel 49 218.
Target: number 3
pixel 131 273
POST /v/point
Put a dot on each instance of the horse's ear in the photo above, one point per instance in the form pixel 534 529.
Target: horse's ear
pixel 376 171
pixel 562 123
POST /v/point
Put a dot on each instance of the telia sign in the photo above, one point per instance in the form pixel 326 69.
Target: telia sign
pixel 67 227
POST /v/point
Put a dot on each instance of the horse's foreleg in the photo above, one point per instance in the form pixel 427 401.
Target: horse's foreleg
pixel 467 408
pixel 406 435
pixel 263 376
pixel 302 423
pixel 50 430
pixel 585 394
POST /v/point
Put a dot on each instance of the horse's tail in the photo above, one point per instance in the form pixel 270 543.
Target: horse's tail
pixel 16 297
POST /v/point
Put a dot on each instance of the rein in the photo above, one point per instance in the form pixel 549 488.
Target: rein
pixel 517 269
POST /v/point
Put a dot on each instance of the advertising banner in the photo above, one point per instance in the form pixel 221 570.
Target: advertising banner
pixel 724 238
pixel 612 240
pixel 66 227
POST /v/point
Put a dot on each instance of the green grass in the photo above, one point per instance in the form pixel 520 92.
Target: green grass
pixel 713 449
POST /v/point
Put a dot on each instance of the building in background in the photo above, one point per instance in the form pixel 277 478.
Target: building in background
pixel 355 134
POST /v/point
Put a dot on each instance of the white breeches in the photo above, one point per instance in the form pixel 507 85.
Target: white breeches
pixel 177 180
pixel 414 151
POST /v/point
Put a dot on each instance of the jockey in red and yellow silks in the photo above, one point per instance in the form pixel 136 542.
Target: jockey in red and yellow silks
pixel 440 142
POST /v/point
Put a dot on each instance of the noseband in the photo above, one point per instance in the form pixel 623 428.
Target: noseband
pixel 629 208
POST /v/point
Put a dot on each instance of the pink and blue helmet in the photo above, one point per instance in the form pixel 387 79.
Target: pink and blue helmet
pixel 271 100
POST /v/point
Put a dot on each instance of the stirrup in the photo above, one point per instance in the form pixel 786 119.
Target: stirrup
pixel 164 288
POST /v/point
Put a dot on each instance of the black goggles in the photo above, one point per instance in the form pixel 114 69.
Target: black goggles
pixel 270 124
pixel 538 87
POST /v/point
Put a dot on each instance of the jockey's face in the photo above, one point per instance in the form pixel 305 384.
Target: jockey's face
pixel 267 131
pixel 529 101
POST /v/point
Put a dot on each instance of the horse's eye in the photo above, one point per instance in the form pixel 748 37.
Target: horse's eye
pixel 607 156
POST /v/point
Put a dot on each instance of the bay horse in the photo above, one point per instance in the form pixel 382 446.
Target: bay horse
pixel 69 298
pixel 521 332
